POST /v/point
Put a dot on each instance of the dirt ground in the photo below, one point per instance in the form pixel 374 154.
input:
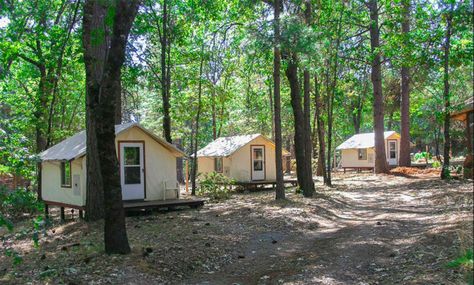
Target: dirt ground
pixel 367 229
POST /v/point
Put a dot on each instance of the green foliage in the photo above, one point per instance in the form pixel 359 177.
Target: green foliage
pixel 215 185
pixel 436 164
pixel 422 155
pixel 19 201
pixel 465 261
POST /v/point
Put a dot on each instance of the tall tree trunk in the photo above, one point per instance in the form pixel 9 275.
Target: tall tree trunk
pixel 381 165
pixel 280 190
pixel 271 105
pixel 405 159
pixel 196 129
pixel 309 189
pixel 331 98
pixel 321 170
pixel 447 140
pixel 288 158
pixel 164 76
pixel 179 162
pixel 305 180
pixel 115 234
pixel 213 111
pixel 94 58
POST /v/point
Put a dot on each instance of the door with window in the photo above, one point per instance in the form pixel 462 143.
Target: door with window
pixel 132 170
pixel 392 152
pixel 258 162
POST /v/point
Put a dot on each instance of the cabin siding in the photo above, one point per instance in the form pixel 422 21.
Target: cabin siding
pixel 160 167
pixel 350 157
pixel 51 189
pixel 238 165
pixel 160 163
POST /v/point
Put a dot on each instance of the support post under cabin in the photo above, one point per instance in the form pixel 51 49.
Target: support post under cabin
pixel 46 211
pixel 63 216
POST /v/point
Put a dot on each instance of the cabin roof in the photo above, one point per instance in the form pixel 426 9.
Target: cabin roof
pixel 225 146
pixel 365 140
pixel 75 146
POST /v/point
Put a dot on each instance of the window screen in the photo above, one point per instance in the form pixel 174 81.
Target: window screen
pixel 66 174
pixel 362 154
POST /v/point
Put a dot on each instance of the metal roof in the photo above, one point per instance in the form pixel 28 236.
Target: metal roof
pixel 226 146
pixel 365 140
pixel 75 146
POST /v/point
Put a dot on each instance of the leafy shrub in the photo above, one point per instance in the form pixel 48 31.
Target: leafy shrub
pixel 422 155
pixel 215 185
pixel 18 202
pixel 465 262
pixel 436 164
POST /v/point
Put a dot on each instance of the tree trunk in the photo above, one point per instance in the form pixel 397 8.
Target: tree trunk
pixel 288 158
pixel 330 101
pixel 94 59
pixel 309 189
pixel 164 76
pixel 213 111
pixel 381 165
pixel 196 132
pixel 304 178
pixel 115 234
pixel 271 105
pixel 447 141
pixel 280 190
pixel 405 159
pixel 321 170
pixel 179 162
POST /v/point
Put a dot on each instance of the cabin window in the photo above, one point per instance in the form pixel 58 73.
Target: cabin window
pixel 362 154
pixel 218 164
pixel 66 174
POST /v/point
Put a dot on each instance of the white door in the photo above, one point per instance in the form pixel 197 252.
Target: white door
pixel 392 152
pixel 258 162
pixel 132 171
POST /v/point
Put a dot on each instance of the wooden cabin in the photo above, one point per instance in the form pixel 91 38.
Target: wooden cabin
pixel 147 168
pixel 358 152
pixel 245 158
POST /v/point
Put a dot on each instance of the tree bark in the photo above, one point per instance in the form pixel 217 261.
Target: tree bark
pixel 179 162
pixel 447 140
pixel 196 130
pixel 321 170
pixel 279 190
pixel 309 189
pixel 405 159
pixel 115 234
pixel 304 178
pixel 165 76
pixel 94 58
pixel 381 165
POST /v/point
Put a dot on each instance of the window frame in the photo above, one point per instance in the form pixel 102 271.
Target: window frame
pixel 63 174
pixel 362 157
pixel 216 159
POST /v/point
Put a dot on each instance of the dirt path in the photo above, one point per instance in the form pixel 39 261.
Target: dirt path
pixel 378 231
pixel 366 230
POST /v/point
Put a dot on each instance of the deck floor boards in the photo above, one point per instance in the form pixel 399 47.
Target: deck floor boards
pixel 162 203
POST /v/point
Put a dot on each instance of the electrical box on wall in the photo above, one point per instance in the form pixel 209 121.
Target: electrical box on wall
pixel 76 185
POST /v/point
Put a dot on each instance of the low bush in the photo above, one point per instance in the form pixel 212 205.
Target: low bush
pixel 18 202
pixel 422 155
pixel 436 164
pixel 465 263
pixel 215 185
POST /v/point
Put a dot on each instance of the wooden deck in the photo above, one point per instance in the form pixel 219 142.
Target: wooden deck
pixel 253 185
pixel 159 204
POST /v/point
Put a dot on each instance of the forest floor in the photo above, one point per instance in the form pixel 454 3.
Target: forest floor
pixel 366 229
